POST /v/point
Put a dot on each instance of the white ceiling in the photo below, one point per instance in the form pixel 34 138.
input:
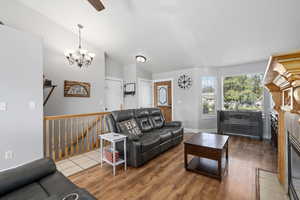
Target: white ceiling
pixel 176 34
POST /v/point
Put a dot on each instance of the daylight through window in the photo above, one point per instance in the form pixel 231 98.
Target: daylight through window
pixel 209 95
pixel 244 92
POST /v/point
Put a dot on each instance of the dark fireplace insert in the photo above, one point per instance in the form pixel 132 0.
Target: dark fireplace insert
pixel 293 167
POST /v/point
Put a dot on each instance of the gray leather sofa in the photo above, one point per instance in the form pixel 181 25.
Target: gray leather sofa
pixel 158 135
pixel 38 180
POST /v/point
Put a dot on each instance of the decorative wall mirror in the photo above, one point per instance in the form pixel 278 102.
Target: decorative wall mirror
pixel 162 94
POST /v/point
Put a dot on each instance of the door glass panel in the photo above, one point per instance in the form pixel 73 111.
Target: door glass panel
pixel 162 94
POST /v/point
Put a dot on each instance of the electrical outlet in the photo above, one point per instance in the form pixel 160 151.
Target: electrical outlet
pixel 8 155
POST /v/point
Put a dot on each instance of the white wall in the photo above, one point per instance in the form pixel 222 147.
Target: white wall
pixel 113 68
pixel 130 71
pixel 56 40
pixel 21 81
pixel 187 103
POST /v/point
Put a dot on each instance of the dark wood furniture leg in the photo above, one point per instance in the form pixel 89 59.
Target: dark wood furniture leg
pixel 220 167
pixel 185 157
pixel 227 153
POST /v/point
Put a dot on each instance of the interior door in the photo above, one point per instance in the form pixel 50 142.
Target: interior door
pixel 163 98
pixel 145 93
pixel 113 94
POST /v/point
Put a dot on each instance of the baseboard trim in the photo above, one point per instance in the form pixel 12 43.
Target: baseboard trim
pixel 192 130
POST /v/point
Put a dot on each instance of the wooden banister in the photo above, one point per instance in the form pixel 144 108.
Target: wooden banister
pixel 74 116
pixel 68 135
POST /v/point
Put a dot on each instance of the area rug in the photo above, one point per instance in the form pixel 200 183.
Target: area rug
pixel 268 186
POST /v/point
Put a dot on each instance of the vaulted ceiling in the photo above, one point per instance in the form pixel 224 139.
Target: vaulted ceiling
pixel 176 34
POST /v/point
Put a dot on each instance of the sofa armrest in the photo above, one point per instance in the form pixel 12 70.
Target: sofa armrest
pixel 13 179
pixel 110 123
pixel 173 124
pixel 134 153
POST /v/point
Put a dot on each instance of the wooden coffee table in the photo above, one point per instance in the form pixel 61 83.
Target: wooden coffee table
pixel 208 150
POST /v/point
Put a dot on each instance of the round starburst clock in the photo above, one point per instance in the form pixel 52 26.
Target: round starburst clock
pixel 185 81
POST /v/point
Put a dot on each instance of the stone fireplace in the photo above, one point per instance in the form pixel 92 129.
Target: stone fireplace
pixel 293 155
pixel 282 79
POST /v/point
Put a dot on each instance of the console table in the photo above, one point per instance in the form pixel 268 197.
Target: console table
pixel 245 123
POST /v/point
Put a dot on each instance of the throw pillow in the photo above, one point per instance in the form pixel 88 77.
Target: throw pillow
pixel 130 128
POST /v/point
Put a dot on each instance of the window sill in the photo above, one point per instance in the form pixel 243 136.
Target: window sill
pixel 208 116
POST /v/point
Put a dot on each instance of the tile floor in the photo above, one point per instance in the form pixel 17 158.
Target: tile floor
pixel 79 163
pixel 270 188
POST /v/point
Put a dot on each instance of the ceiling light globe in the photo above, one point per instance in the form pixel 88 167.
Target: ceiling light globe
pixel 140 58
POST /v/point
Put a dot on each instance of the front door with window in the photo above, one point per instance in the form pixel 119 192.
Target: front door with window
pixel 163 98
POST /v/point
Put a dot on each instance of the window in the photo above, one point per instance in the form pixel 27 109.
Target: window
pixel 209 95
pixel 244 92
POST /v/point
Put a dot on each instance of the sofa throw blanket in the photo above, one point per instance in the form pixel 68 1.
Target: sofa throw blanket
pixel 130 128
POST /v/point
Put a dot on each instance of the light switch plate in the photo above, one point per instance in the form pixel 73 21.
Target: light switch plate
pixel 3 106
pixel 32 105
pixel 9 155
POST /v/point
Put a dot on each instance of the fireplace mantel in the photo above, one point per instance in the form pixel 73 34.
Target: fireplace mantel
pixel 282 79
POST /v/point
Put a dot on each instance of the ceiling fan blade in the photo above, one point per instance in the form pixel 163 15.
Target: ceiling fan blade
pixel 97 4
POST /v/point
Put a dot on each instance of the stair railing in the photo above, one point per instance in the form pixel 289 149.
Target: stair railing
pixel 69 135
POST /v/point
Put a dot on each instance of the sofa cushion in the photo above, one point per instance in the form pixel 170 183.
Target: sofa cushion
pixel 122 115
pixel 157 121
pixel 57 184
pixel 130 128
pixel 149 141
pixel 142 118
pixel 32 191
pixel 111 124
pixel 176 131
pixel 156 117
pixel 145 124
pixel 163 134
pixel 18 177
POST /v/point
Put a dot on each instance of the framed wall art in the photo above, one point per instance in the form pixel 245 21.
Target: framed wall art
pixel 77 89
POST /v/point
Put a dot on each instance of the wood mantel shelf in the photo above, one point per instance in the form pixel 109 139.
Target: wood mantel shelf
pixel 282 79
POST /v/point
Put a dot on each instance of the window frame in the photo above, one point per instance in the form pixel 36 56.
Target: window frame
pixel 209 116
pixel 240 74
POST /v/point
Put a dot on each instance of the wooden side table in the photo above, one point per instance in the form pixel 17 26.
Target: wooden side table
pixel 208 150
pixel 113 138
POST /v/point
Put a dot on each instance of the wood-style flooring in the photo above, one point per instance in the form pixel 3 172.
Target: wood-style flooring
pixel 165 177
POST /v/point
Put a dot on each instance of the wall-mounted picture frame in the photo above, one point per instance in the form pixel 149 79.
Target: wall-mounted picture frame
pixel 77 89
pixel 129 89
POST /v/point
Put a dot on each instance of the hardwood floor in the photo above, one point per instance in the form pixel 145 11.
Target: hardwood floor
pixel 165 176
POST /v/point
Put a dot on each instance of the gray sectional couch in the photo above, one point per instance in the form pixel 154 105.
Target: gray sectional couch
pixel 158 135
pixel 38 180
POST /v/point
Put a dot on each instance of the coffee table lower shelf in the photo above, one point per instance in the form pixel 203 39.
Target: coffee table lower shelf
pixel 206 167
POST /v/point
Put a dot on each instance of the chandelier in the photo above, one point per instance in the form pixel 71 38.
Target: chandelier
pixel 80 56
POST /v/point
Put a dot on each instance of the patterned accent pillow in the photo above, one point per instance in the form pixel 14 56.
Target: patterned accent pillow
pixel 130 128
